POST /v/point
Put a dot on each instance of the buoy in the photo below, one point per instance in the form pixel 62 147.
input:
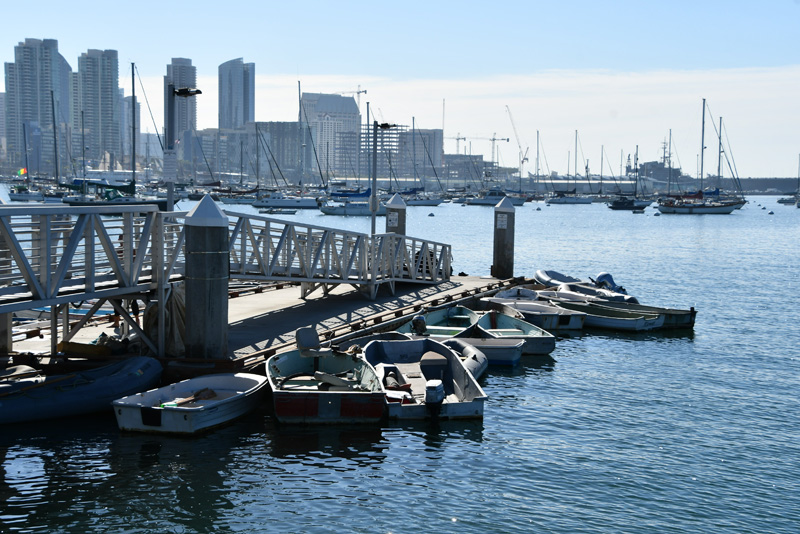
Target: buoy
pixel 431 215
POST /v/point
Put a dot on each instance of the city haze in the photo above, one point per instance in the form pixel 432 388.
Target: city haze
pixel 622 73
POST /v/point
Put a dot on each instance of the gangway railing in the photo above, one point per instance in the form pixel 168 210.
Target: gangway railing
pixel 54 256
pixel 263 248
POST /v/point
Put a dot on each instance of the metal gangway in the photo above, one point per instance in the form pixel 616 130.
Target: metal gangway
pixel 54 256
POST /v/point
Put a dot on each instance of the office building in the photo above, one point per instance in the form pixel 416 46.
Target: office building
pixel 332 123
pixel 36 83
pixel 236 94
pixel 181 74
pixel 96 116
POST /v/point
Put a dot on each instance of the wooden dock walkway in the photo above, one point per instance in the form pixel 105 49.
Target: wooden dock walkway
pixel 263 323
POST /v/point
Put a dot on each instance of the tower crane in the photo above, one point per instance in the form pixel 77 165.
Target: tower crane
pixel 357 93
pixel 493 139
pixel 523 157
pixel 458 138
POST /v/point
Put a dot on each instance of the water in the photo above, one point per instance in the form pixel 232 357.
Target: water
pixel 656 433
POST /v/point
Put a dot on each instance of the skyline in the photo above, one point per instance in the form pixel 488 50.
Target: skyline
pixel 622 75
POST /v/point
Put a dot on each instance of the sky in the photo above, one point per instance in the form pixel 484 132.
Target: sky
pixel 621 73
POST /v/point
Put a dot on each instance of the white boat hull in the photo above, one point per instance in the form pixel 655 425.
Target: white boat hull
pixel 156 411
pixel 463 396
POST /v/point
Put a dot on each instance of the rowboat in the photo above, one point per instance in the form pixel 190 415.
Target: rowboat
pixel 613 319
pixel 472 357
pixel 191 406
pixel 321 385
pixel 505 326
pixel 459 322
pixel 673 318
pixel 34 397
pixel 428 380
pixel 447 322
pixel 541 313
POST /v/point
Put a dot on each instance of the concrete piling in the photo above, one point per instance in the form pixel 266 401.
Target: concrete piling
pixel 503 257
pixel 396 215
pixel 207 264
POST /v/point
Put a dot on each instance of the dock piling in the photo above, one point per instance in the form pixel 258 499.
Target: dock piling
pixel 503 258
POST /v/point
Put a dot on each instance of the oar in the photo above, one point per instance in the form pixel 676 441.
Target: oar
pixel 202 394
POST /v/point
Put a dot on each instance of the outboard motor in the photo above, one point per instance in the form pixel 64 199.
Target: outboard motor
pixel 606 281
pixel 434 397
pixel 418 325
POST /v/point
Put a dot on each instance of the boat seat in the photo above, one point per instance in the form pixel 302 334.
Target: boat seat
pixel 506 331
pixel 308 343
pixel 433 365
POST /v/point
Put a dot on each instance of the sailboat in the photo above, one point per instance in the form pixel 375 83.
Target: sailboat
pixel 628 203
pixel 570 197
pixel 698 204
pixel 104 194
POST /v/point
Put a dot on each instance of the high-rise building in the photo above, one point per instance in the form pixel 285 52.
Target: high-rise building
pixel 37 83
pixel 96 117
pixel 236 93
pixel 181 74
pixel 2 127
pixel 335 122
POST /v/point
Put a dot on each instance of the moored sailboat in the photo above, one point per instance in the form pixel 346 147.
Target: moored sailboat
pixel 699 205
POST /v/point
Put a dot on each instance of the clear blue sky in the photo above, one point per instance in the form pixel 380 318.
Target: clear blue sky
pixel 621 73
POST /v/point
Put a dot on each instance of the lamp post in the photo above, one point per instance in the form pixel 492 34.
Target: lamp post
pixel 170 157
pixel 373 198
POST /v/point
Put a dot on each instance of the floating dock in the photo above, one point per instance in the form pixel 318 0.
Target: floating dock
pixel 263 320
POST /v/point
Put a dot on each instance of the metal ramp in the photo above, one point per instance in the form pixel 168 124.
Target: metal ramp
pixel 53 256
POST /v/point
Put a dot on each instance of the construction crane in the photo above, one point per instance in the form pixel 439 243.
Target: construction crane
pixel 457 138
pixel 493 139
pixel 357 93
pixel 523 157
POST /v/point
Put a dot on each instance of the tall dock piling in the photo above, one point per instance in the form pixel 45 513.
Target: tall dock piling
pixel 207 265
pixel 396 215
pixel 503 257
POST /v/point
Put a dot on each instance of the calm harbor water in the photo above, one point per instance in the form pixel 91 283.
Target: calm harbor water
pixel 679 433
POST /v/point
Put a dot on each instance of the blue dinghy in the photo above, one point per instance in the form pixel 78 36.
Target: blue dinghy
pixel 78 393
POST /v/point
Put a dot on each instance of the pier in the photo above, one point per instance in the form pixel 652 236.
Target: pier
pixel 282 276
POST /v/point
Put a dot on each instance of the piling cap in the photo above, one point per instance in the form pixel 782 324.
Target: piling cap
pixel 504 205
pixel 396 202
pixel 206 213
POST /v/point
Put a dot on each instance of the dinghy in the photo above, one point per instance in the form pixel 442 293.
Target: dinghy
pixel 37 397
pixel 320 385
pixel 191 406
pixel 431 380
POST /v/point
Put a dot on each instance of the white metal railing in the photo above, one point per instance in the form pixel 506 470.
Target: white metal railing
pixel 263 248
pixel 51 255
pixel 56 255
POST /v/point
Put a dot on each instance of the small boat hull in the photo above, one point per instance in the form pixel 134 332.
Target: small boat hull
pixel 612 319
pixel 536 340
pixel 162 410
pixel 77 393
pixel 299 395
pixel 424 364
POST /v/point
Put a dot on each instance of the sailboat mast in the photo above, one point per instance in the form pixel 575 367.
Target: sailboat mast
pixel 537 160
pixel 133 125
pixel 702 143
pixel 55 132
pixel 669 162
pixel 719 155
pixel 576 158
pixel 25 144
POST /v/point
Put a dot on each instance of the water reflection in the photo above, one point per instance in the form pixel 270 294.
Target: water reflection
pixel 360 444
